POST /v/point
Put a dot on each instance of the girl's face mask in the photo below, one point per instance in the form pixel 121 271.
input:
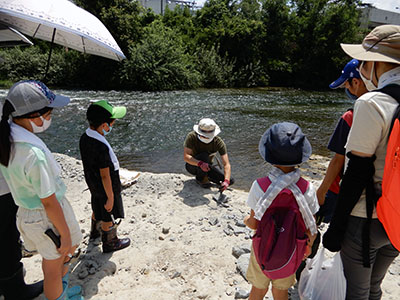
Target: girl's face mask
pixel 39 129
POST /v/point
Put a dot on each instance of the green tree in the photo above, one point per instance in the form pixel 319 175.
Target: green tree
pixel 320 27
pixel 160 62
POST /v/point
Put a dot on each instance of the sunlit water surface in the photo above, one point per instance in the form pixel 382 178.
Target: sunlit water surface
pixel 150 137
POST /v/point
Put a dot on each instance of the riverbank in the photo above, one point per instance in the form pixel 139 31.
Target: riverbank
pixel 182 241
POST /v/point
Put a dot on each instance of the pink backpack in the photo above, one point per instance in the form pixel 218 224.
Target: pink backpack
pixel 280 241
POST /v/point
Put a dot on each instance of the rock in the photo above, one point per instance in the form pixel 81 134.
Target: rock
pixel 161 238
pixel 242 263
pixel 241 294
pixel 238 251
pixel 240 223
pixel 165 230
pixel 228 231
pixel 144 215
pixel 83 274
pixel 213 221
pixel 92 271
pixel 175 275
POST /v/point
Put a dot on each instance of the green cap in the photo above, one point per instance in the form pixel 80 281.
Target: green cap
pixel 117 112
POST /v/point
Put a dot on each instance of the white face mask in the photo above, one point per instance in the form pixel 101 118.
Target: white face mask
pixel 39 129
pixel 204 140
pixel 370 86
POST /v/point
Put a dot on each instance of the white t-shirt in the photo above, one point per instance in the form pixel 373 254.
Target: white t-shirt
pixel 256 193
pixel 373 113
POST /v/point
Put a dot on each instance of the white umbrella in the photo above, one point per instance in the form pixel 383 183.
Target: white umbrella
pixel 63 22
pixel 10 37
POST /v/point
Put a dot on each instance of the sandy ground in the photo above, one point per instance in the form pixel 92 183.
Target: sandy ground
pixel 182 241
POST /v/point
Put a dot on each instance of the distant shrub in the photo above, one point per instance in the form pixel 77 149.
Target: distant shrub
pixel 160 62
pixel 216 71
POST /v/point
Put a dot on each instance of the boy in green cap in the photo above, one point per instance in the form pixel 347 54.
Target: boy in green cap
pixel 101 168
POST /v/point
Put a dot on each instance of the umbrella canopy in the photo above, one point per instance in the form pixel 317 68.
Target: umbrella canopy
pixel 10 37
pixel 63 22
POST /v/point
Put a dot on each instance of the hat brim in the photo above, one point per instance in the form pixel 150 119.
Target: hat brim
pixel 359 52
pixel 338 83
pixel 118 112
pixel 306 153
pixel 60 101
pixel 210 135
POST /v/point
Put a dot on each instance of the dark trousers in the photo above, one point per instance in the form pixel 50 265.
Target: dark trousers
pixel 10 251
pixel 365 283
pixel 215 174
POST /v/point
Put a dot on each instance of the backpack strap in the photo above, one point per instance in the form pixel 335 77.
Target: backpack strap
pixel 264 183
pixel 393 90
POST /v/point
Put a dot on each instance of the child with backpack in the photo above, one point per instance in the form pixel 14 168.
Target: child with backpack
pixel 101 168
pixel 283 207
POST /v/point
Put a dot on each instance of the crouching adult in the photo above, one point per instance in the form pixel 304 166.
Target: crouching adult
pixel 200 148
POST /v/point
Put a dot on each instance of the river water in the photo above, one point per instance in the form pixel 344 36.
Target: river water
pixel 150 137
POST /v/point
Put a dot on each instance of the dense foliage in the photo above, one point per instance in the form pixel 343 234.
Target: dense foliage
pixel 226 43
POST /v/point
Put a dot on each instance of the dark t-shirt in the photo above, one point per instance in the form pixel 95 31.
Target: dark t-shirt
pixel 95 156
pixel 338 142
pixel 216 145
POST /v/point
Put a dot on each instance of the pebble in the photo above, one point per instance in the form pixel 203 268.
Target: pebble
pixel 242 264
pixel 228 231
pixel 241 294
pixel 175 275
pixel 144 215
pixel 83 274
pixel 165 230
pixel 213 221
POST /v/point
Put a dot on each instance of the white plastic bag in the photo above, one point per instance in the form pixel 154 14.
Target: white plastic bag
pixel 323 279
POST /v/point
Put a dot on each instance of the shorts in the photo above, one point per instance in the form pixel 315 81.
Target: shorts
pixel 259 280
pixel 32 223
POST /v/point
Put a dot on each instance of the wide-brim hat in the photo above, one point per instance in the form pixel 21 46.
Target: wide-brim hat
pixel 117 112
pixel 29 96
pixel 381 44
pixel 284 144
pixel 207 127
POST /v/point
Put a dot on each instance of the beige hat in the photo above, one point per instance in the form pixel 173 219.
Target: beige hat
pixel 207 127
pixel 381 44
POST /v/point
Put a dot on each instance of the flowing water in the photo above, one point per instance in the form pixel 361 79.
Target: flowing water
pixel 150 137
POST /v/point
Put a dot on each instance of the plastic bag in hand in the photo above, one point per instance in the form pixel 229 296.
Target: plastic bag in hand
pixel 323 279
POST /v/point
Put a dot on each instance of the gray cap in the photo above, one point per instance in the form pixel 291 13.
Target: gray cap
pixel 31 95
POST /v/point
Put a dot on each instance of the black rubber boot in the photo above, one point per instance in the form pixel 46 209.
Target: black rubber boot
pixel 15 287
pixel 111 242
pixel 95 229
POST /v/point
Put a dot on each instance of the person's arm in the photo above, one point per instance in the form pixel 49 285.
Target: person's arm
pixel 250 221
pixel 334 169
pixel 107 184
pixel 55 214
pixel 227 166
pixel 188 157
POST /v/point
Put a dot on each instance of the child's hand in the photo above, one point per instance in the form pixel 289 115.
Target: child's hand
pixel 308 252
pixel 66 244
pixel 109 205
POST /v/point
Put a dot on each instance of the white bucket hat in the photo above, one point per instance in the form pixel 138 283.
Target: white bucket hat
pixel 207 127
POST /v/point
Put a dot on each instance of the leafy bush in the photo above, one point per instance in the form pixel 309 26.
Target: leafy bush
pixel 160 62
pixel 216 71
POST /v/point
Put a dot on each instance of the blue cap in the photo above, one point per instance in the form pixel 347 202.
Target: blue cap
pixel 349 71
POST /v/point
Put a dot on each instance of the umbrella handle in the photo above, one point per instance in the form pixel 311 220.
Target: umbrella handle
pixel 48 59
